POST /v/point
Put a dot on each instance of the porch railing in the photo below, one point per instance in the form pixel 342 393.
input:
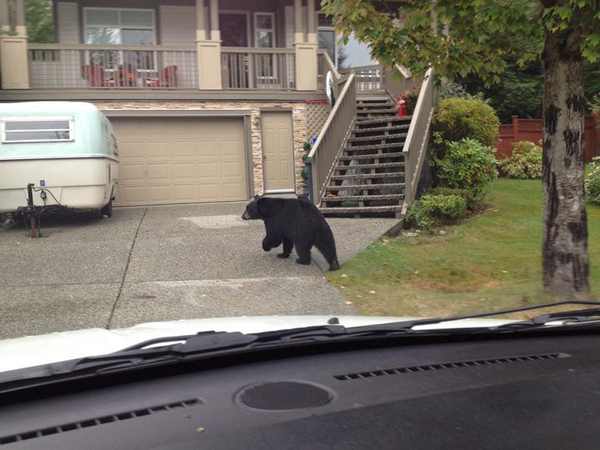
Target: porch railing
pixel 332 139
pixel 255 68
pixel 368 78
pixel 112 66
pixel 415 146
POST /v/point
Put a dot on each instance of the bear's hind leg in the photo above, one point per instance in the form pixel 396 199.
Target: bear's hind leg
pixel 325 243
pixel 303 246
pixel 287 249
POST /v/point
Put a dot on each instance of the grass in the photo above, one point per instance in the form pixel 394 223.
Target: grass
pixel 492 261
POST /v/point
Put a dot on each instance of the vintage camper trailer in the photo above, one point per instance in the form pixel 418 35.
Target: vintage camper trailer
pixel 66 150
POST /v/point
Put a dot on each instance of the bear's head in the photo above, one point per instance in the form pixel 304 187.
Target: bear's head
pixel 263 208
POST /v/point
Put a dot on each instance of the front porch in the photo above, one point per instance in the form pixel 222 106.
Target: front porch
pixel 96 53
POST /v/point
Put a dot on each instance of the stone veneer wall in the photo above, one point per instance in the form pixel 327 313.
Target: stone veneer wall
pixel 299 118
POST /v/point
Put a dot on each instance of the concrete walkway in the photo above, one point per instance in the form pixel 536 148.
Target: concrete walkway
pixel 161 263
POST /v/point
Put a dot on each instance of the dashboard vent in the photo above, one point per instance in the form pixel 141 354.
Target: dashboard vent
pixel 99 421
pixel 450 365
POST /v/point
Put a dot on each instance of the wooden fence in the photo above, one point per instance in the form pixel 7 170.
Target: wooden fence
pixel 531 130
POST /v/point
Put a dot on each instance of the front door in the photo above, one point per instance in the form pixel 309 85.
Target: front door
pixel 278 151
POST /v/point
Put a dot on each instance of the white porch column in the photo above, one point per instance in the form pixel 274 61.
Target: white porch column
pixel 209 50
pixel 13 50
pixel 306 52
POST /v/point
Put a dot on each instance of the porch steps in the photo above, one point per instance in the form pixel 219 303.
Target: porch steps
pixel 368 177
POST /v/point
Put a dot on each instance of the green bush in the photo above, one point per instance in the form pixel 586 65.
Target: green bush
pixel 473 199
pixel 434 210
pixel 592 182
pixel 524 163
pixel 459 118
pixel 468 165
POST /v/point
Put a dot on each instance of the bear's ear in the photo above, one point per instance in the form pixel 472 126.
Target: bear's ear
pixel 270 207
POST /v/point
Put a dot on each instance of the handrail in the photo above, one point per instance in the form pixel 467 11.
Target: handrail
pixel 329 62
pixel 112 47
pixel 417 138
pixel 331 140
pixel 271 50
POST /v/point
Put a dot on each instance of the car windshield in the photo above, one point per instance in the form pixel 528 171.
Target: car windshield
pixel 167 170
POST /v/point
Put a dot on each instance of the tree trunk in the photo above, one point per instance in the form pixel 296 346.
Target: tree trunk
pixel 564 247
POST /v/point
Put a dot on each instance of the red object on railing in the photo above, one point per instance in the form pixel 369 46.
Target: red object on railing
pixel 402 110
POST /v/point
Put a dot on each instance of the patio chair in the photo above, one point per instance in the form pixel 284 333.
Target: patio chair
pixel 166 79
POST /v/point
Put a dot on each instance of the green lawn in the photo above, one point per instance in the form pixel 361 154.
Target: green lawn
pixel 491 261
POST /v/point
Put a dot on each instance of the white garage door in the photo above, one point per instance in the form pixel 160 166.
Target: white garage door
pixel 180 160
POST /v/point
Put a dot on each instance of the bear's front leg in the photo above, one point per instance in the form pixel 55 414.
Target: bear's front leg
pixel 271 241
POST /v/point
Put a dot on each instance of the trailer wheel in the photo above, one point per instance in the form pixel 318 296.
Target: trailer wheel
pixel 107 210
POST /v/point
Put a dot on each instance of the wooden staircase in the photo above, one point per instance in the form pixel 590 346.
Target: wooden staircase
pixel 368 178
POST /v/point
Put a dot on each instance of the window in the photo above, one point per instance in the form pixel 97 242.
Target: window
pixel 264 29
pixel 40 129
pixel 326 35
pixel 119 26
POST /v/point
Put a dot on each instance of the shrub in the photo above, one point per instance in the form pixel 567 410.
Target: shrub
pixel 592 182
pixel 472 199
pixel 524 163
pixel 459 118
pixel 434 210
pixel 468 165
pixel 451 89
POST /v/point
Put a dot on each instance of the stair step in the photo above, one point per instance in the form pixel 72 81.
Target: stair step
pixel 358 209
pixel 389 119
pixel 377 138
pixel 370 166
pixel 367 176
pixel 370 106
pixel 378 111
pixel 372 156
pixel 367 187
pixel 367 98
pixel 376 129
pixel 399 145
pixel 361 198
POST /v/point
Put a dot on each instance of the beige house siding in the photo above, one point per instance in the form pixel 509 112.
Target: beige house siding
pixel 289 24
pixel 178 24
pixel 67 23
pixel 299 123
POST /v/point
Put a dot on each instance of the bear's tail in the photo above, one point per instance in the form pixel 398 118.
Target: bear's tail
pixel 325 243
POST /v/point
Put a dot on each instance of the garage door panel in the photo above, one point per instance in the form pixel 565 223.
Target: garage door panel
pixel 183 149
pixel 232 169
pixel 186 192
pixel 159 172
pixel 133 149
pixel 185 170
pixel 181 160
pixel 132 172
pixel 131 194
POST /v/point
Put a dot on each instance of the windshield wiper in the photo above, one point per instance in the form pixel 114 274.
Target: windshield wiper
pixel 212 343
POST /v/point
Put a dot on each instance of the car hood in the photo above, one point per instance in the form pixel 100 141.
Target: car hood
pixel 32 351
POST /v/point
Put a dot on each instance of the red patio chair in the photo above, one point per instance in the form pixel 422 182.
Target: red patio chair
pixel 166 79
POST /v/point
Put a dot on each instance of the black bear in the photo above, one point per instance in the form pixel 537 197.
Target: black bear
pixel 293 222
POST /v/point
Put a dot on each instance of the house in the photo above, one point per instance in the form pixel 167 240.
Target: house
pixel 213 100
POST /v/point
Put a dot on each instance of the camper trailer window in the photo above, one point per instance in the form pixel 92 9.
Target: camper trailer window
pixel 37 130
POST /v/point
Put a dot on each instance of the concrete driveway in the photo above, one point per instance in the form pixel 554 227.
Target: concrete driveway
pixel 161 263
